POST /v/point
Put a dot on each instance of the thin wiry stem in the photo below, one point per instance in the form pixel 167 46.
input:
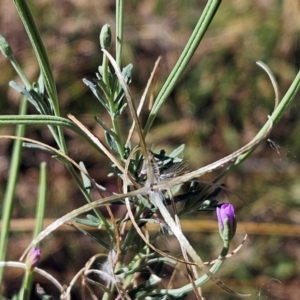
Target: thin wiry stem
pixel 21 265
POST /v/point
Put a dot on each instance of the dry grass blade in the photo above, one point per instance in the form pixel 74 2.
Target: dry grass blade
pixel 141 104
pixel 97 142
pixel 52 149
pixel 76 212
pixel 273 80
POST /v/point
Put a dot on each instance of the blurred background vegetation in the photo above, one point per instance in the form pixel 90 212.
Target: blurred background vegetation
pixel 219 104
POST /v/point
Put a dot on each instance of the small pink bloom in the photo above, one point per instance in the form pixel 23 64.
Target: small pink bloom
pixel 33 258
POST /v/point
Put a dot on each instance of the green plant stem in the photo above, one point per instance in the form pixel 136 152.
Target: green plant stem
pixel 39 220
pixel 41 203
pixel 105 73
pixel 11 187
pixel 185 57
pixel 119 30
pixel 20 72
pixel 25 290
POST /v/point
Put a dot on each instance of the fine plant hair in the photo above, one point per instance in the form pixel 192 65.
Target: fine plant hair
pixel 150 183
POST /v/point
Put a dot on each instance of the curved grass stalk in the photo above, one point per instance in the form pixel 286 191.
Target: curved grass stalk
pixel 277 113
pixel 215 165
pixel 52 149
pixel 83 209
pixel 272 79
pixel 279 108
pixel 143 98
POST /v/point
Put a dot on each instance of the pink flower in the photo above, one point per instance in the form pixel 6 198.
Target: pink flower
pixel 33 258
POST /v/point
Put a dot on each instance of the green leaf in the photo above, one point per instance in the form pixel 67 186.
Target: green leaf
pixel 86 181
pixel 90 235
pixel 127 73
pixel 103 125
pixel 91 221
pixel 144 201
pixel 33 97
pixel 36 146
pixel 103 87
pixel 177 151
pixel 185 57
pixel 95 91
pixel 111 141
pixel 120 109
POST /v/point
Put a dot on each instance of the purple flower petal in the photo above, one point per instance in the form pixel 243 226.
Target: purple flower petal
pixel 33 258
pixel 226 212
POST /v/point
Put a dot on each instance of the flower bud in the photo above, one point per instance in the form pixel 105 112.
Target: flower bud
pixel 227 221
pixel 33 258
pixel 105 37
pixel 5 47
